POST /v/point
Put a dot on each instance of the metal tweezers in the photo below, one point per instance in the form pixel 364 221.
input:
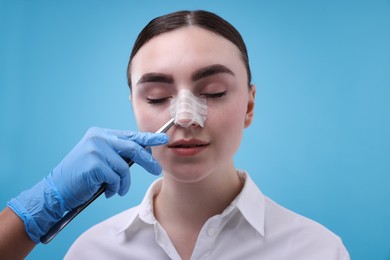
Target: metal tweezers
pixel 65 220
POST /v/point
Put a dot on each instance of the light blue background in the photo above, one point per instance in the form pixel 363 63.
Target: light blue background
pixel 319 144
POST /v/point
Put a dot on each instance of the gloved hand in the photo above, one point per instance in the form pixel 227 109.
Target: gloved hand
pixel 96 159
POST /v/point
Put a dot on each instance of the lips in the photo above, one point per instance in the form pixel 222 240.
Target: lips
pixel 187 143
pixel 188 147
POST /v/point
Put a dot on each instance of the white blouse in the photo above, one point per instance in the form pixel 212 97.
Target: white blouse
pixel 252 227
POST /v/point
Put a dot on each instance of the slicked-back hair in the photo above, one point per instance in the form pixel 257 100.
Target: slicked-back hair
pixel 203 19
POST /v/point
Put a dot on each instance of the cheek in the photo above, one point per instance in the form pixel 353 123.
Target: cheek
pixel 150 118
pixel 144 125
pixel 227 123
pixel 229 115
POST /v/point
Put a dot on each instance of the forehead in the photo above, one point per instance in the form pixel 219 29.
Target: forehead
pixel 185 48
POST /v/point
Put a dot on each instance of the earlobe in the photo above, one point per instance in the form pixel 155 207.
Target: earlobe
pixel 250 111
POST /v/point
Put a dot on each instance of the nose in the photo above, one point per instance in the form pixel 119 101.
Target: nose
pixel 188 109
pixel 186 119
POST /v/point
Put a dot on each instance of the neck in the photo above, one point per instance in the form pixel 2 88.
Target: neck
pixel 183 208
pixel 193 203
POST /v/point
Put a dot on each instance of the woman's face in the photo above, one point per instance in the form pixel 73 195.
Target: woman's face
pixel 210 67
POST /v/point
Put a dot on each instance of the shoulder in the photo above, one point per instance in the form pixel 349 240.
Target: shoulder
pixel 305 236
pixel 102 237
pixel 114 224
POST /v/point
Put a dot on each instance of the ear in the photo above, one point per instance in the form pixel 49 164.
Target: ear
pixel 250 111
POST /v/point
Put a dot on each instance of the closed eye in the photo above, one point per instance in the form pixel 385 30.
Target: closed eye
pixel 214 95
pixel 157 100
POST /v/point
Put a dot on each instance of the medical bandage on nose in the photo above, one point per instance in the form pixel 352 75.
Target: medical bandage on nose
pixel 188 109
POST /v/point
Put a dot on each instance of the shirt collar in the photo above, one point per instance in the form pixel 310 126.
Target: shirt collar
pixel 250 202
pixel 144 210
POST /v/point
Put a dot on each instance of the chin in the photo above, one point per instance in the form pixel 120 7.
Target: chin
pixel 186 173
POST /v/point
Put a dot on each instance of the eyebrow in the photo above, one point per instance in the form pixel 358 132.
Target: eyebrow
pixel 155 77
pixel 210 71
pixel 197 75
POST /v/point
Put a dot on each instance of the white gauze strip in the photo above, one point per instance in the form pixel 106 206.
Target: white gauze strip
pixel 188 109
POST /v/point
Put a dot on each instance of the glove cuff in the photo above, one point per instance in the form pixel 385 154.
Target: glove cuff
pixel 39 207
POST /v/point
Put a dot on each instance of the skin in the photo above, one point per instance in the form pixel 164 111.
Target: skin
pixel 14 241
pixel 198 186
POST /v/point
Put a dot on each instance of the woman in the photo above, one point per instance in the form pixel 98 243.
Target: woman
pixel 203 207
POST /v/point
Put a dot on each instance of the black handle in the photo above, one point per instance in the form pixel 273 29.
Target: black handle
pixel 69 216
pixel 65 220
pixel 54 230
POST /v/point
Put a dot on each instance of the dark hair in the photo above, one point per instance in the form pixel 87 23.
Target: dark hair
pixel 200 18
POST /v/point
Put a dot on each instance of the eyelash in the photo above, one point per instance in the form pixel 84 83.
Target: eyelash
pixel 158 101
pixel 215 95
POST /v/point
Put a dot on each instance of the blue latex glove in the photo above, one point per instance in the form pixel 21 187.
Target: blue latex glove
pixel 96 159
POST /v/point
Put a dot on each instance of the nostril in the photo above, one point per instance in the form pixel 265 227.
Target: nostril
pixel 184 122
pixel 184 119
pixel 187 109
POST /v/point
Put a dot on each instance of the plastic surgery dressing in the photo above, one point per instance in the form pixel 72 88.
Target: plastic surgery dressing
pixel 188 109
pixel 185 109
